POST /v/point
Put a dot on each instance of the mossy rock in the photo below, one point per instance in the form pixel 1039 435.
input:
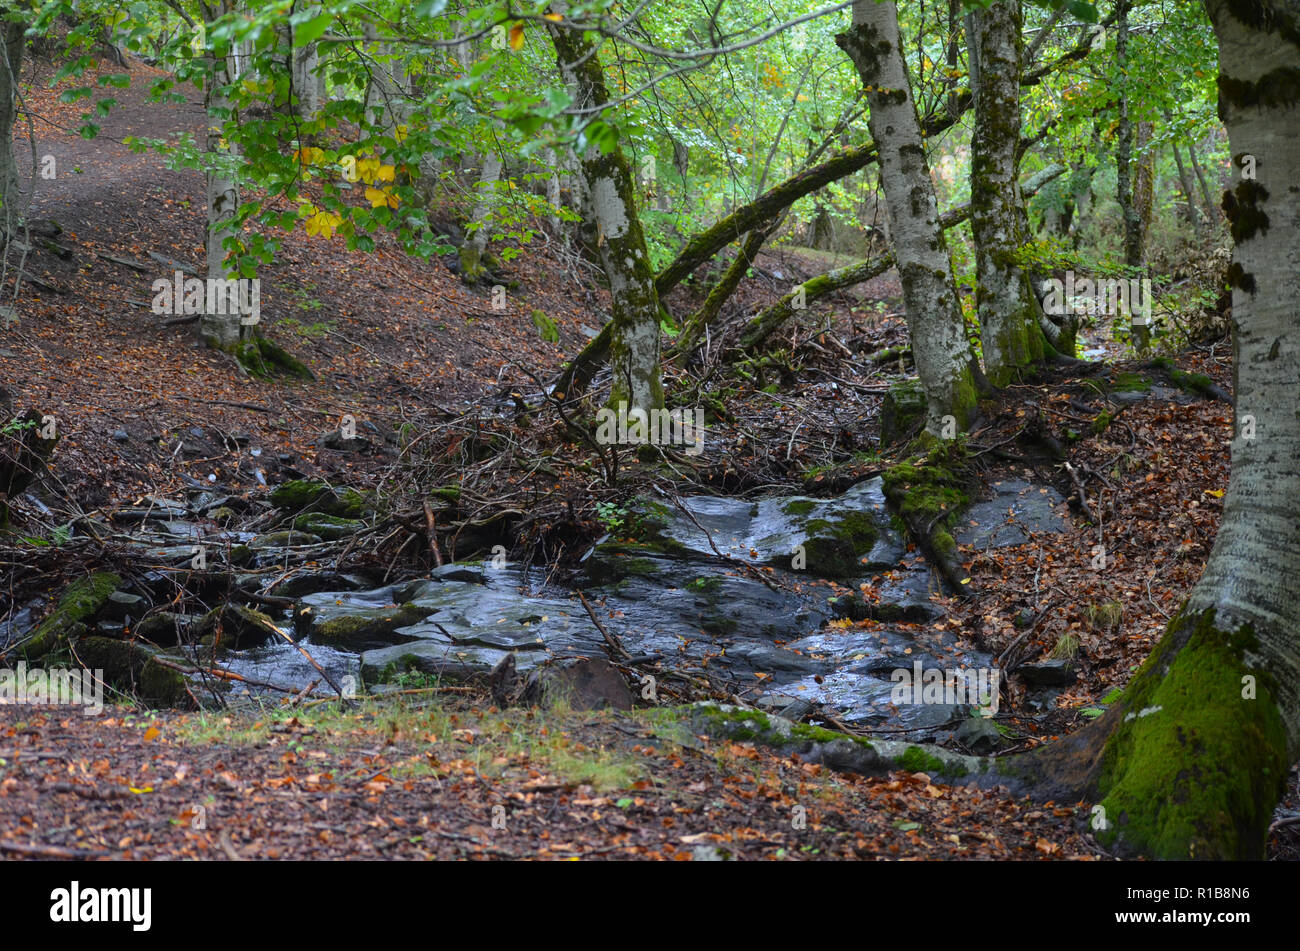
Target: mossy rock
pixel 301 495
pixel 131 666
pixel 903 412
pixel 164 627
pixel 285 539
pixel 82 600
pixel 328 527
pixel 239 627
pixel 364 630
pixel 835 548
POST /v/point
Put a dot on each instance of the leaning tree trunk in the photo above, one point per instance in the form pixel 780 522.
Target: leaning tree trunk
pixel 1008 311
pixel 1193 758
pixel 307 79
pixel 634 327
pixel 223 330
pixel 934 318
pixel 12 198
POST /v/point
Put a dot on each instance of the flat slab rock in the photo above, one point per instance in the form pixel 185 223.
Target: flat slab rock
pixel 1017 511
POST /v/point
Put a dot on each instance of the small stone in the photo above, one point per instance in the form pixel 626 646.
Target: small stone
pixel 979 735
pixel 1058 672
pixel 121 435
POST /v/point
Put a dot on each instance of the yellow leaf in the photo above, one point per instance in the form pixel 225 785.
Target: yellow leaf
pixel 367 168
pixel 517 36
pixel 379 197
pixel 553 17
pixel 385 173
pixel 1217 493
pixel 400 133
pixel 323 224
pixel 152 733
pixel 140 792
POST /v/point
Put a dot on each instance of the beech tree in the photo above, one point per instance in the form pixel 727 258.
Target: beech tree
pixel 944 360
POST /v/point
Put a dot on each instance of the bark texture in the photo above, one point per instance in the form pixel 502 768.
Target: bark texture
pixel 1196 754
pixel 1008 311
pixel 634 325
pixel 934 318
pixel 13 200
pixel 222 331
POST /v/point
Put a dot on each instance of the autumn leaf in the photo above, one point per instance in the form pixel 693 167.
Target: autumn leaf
pixel 517 37
pixel 379 197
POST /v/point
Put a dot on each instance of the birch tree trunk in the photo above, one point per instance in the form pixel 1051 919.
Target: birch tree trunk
pixel 222 331
pixel 634 326
pixel 1194 757
pixel 934 319
pixel 1008 311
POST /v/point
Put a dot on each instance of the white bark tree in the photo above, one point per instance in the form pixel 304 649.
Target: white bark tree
pixel 1008 310
pixel 635 347
pixel 222 331
pixel 1192 760
pixel 944 360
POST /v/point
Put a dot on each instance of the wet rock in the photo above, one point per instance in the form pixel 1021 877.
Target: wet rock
pixel 236 627
pixel 588 683
pixel 1018 510
pixel 286 539
pixel 82 600
pixel 902 413
pixel 311 582
pixel 979 735
pixel 133 667
pixel 447 661
pixel 1057 672
pixel 328 527
pixel 358 621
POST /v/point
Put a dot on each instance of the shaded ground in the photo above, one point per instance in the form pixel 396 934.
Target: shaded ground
pixel 414 783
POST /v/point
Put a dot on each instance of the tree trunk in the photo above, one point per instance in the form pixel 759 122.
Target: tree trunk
pixel 1189 212
pixel 634 326
pixel 13 199
pixel 307 79
pixel 222 331
pixel 1004 300
pixel 1191 761
pixel 1211 209
pixel 471 252
pixel 934 318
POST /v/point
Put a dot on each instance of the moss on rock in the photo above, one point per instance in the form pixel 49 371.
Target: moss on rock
pixel 82 600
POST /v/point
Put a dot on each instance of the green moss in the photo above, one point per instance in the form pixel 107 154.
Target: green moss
pixel 328 527
pixel 799 507
pixel 131 666
pixel 298 495
pixel 264 359
pixel 1194 769
pixel 1101 423
pixel 363 631
pixel 1197 383
pixel 82 600
pixel 1130 383
pixel 917 760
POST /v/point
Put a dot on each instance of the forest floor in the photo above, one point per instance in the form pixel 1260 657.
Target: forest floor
pixel 393 340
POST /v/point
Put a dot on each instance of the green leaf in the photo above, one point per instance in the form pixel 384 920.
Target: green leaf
pixel 1092 712
pixel 902 826
pixel 430 8
pixel 312 30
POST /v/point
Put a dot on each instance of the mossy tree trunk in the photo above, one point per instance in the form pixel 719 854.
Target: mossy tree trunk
pixel 1008 311
pixel 471 252
pixel 634 326
pixel 944 360
pixel 1192 760
pixel 12 198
